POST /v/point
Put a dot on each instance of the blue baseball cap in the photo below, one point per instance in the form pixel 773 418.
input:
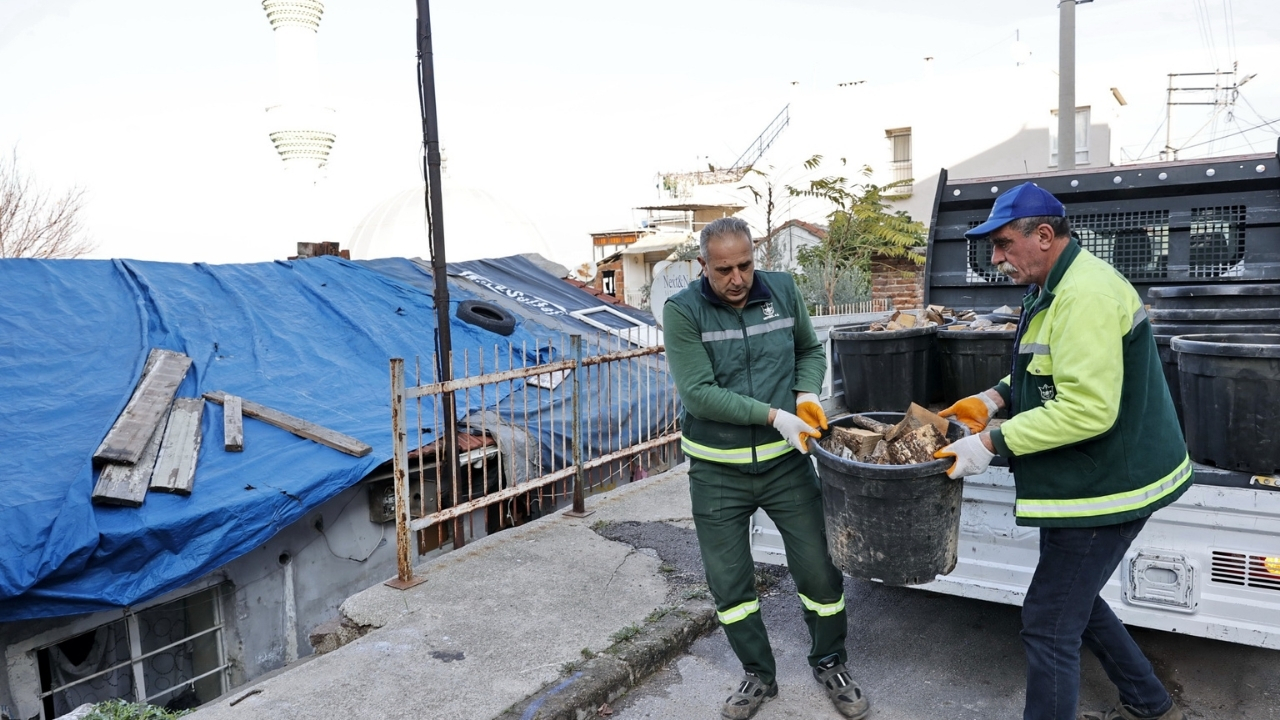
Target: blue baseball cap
pixel 1025 200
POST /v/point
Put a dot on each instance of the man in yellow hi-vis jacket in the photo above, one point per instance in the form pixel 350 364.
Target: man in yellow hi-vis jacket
pixel 748 366
pixel 1094 444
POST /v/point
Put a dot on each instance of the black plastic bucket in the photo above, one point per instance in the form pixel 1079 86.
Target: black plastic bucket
pixel 1215 297
pixel 1169 364
pixel 971 361
pixel 1214 315
pixel 1231 400
pixel 888 369
pixel 899 524
pixel 1164 332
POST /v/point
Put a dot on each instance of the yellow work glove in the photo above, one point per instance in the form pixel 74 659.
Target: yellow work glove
pixel 796 431
pixel 971 456
pixel 809 409
pixel 974 411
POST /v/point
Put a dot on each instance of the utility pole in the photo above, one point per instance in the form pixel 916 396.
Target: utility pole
pixel 439 272
pixel 1067 83
pixel 1224 96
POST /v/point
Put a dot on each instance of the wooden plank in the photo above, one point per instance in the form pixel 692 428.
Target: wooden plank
pixel 175 470
pixel 297 426
pixel 232 424
pixel 127 439
pixel 124 484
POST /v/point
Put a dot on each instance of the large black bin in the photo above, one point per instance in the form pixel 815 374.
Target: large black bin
pixel 885 370
pixel 1215 297
pixel 971 361
pixel 899 524
pixel 1165 332
pixel 1231 400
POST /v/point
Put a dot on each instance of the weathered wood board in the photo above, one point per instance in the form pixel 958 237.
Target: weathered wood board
pixel 297 426
pixel 127 484
pixel 175 469
pixel 232 424
pixel 127 439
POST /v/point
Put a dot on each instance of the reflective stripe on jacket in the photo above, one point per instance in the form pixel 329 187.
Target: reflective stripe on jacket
pixel 1093 434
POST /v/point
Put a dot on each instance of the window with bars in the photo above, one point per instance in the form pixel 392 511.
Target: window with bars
pixel 1135 243
pixel 1217 241
pixel 900 157
pixel 170 655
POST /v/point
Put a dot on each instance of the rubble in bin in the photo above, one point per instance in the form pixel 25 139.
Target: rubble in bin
pixel 912 441
pixel 946 318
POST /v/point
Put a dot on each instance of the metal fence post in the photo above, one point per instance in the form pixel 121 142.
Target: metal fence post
pixel 400 473
pixel 579 498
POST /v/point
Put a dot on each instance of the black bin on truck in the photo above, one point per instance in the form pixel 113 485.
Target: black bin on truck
pixel 1198 225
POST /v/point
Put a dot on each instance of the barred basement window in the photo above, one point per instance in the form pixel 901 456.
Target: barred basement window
pixel 1135 243
pixel 1217 242
pixel 170 655
pixel 980 269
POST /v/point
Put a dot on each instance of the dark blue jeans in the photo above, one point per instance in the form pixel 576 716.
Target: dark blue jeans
pixel 1063 609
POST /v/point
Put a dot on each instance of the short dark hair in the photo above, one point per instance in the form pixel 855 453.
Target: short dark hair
pixel 1027 225
pixel 719 228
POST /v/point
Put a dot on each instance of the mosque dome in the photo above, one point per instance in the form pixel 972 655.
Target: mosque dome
pixel 476 225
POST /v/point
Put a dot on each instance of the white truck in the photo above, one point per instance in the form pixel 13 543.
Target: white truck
pixel 1209 564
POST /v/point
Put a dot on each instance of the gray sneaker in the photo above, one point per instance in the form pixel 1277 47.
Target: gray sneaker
pixel 844 692
pixel 747 699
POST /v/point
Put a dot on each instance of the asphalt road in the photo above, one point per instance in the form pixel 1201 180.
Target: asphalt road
pixel 923 656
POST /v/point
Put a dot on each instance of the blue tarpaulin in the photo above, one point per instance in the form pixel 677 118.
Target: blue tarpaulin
pixel 311 338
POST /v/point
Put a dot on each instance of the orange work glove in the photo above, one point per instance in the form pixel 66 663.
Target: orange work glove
pixel 809 409
pixel 974 411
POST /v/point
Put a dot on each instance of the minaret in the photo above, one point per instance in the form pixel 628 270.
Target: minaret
pixel 298 124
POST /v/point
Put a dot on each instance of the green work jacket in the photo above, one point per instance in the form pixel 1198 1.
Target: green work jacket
pixel 1093 435
pixel 731 366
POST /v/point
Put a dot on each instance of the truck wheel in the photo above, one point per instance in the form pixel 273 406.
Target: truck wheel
pixel 486 316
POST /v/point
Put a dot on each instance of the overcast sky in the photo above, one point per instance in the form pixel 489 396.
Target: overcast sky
pixel 565 109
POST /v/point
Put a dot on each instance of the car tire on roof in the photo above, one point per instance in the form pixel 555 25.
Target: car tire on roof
pixel 486 316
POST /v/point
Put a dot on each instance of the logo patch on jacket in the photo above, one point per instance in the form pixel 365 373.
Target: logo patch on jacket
pixel 769 312
pixel 1048 392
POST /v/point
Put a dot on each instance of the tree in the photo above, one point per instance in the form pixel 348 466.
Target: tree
pixel 861 227
pixel 761 185
pixel 34 223
pixel 827 280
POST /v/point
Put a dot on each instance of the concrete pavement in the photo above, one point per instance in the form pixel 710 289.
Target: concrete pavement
pixel 500 620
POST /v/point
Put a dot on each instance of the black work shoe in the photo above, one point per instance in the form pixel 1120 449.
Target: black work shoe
pixel 747 699
pixel 1124 712
pixel 844 692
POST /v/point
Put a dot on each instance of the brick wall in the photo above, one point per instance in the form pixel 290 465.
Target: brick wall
pixel 899 280
pixel 619 290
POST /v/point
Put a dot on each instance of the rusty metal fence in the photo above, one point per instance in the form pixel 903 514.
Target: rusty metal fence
pixel 549 425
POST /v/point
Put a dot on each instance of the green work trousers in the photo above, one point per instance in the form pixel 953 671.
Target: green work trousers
pixel 724 499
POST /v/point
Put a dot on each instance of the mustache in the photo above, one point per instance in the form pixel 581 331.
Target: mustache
pixel 1006 268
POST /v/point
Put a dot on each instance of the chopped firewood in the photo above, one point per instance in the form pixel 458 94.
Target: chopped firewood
pixel 880 455
pixel 877 327
pixel 915 417
pixel 938 309
pixel 893 325
pixel 905 319
pixel 859 442
pixel 916 446
pixel 867 423
pixel 913 440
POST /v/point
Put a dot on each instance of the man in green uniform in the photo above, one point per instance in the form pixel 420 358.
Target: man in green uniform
pixel 748 366
pixel 1094 444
